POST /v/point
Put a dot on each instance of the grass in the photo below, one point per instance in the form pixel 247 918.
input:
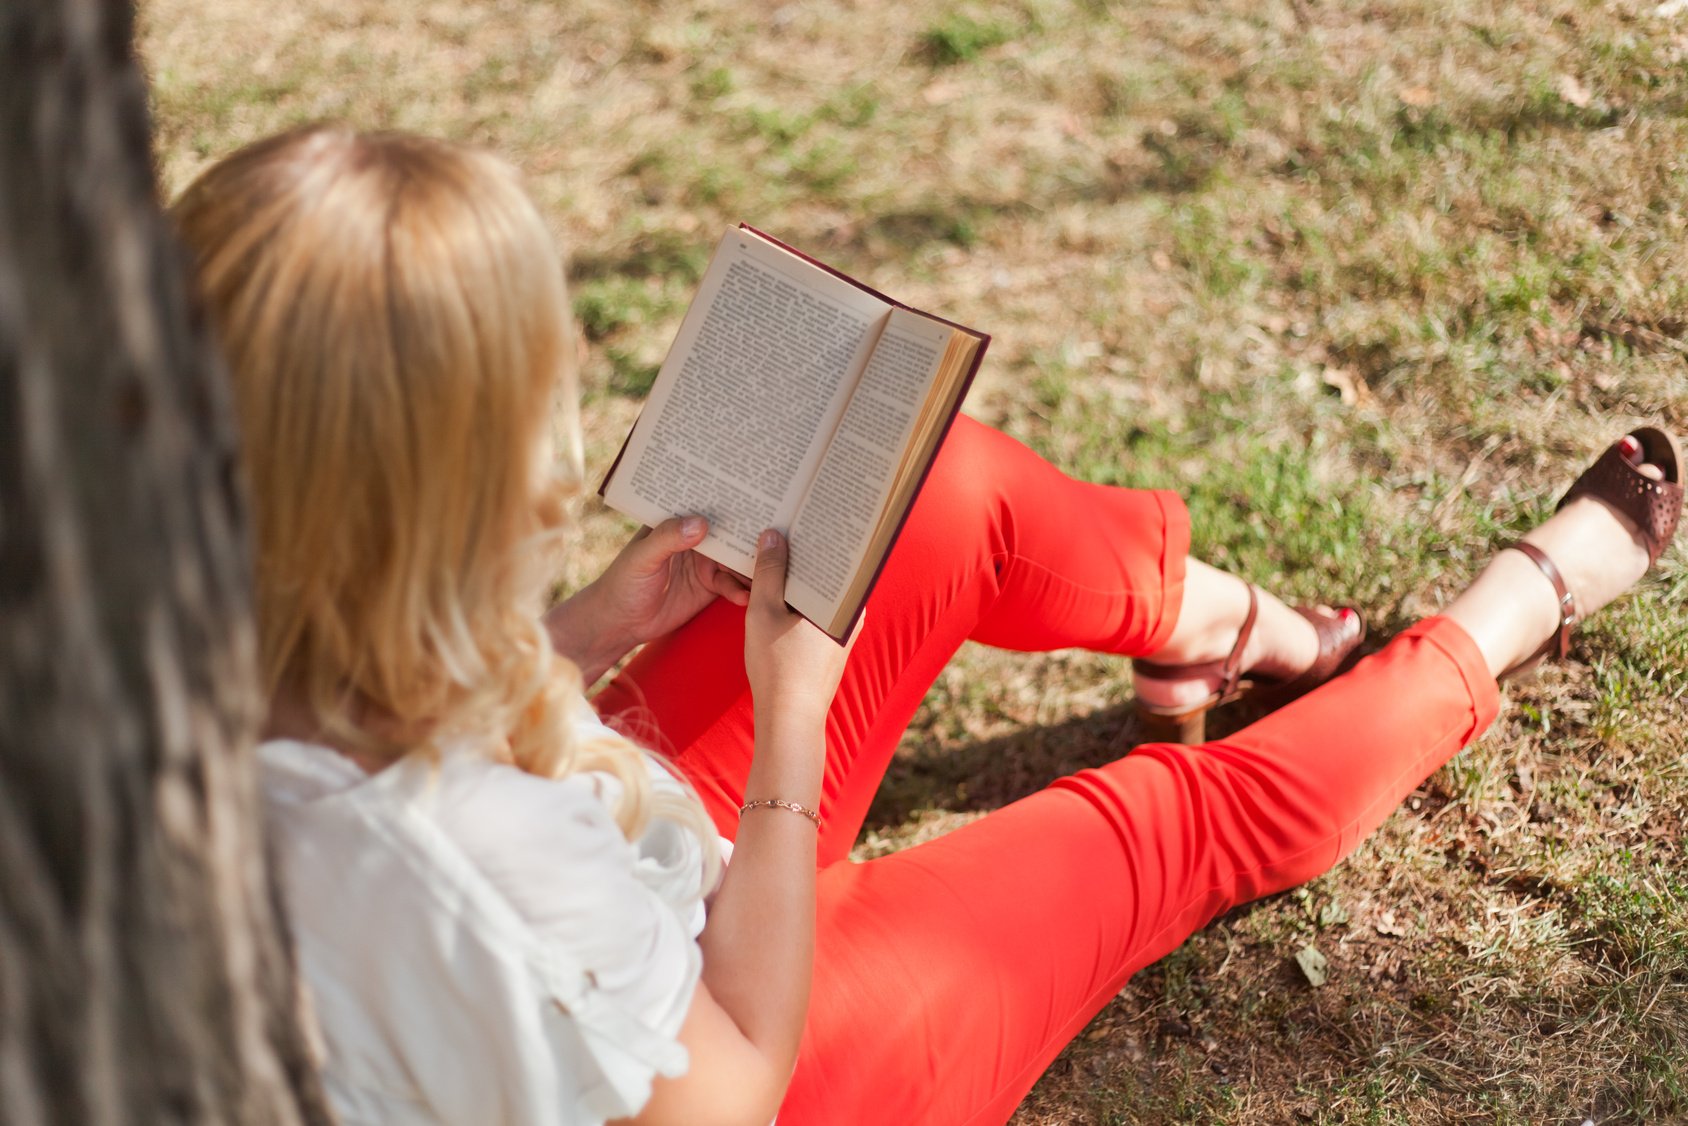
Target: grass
pixel 960 38
pixel 1365 281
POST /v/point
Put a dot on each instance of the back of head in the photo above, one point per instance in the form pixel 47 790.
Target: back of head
pixel 394 317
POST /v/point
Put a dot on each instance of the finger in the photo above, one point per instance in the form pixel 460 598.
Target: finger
pixel 671 537
pixel 729 590
pixel 732 588
pixel 861 620
pixel 767 585
pixel 722 582
pixel 727 580
pixel 715 579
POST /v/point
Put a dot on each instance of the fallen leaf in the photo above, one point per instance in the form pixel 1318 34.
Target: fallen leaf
pixel 1574 92
pixel 1526 775
pixel 1353 391
pixel 1313 964
pixel 1418 96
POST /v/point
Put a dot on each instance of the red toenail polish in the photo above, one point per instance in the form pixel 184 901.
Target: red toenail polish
pixel 1348 614
pixel 1630 448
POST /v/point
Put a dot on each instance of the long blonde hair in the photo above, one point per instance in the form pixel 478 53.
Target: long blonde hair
pixel 393 312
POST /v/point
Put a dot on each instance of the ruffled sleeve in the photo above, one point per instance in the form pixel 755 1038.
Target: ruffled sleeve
pixel 613 924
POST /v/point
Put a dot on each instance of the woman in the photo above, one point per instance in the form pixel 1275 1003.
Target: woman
pixel 507 911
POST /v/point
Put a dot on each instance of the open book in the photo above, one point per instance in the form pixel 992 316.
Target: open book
pixel 795 398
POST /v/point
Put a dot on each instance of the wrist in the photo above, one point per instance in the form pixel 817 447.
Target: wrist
pixel 580 631
pixel 790 719
pixel 790 758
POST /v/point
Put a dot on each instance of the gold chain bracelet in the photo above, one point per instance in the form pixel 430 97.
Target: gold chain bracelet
pixel 780 803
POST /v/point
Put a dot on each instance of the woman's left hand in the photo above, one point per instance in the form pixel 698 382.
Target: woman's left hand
pixel 655 585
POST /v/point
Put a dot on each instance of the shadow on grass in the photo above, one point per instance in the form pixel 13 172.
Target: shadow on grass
pixel 657 253
pixel 962 219
pixel 989 774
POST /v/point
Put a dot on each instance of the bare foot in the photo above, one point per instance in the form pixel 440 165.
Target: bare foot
pixel 1282 645
pixel 1512 609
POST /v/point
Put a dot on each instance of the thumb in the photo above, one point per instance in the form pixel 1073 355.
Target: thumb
pixel 671 537
pixel 767 585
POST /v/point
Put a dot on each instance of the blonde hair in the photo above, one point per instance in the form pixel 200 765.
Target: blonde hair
pixel 393 312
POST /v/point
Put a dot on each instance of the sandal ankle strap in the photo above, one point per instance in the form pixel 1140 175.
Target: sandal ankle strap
pixel 1561 640
pixel 1230 673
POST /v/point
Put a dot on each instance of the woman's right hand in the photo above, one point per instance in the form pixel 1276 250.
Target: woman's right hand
pixel 793 667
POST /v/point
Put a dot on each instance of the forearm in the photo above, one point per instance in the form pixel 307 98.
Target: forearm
pixel 577 634
pixel 758 946
pixel 748 1012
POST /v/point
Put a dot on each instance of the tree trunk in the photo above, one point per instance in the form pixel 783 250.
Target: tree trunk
pixel 144 976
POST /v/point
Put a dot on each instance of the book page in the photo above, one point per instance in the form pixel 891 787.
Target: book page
pixel 738 417
pixel 838 517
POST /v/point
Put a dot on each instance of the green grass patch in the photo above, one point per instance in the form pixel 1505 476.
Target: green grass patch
pixel 961 38
pixel 1366 283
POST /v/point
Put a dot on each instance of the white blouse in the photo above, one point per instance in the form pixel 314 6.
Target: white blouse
pixel 482 945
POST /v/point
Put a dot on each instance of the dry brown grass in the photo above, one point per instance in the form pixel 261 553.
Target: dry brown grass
pixel 1363 278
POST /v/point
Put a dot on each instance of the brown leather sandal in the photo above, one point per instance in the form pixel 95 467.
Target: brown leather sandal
pixel 1654 505
pixel 1339 643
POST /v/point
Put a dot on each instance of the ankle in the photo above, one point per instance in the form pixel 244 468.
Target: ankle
pixel 1284 643
pixel 1209 644
pixel 1213 609
pixel 1280 644
pixel 1510 611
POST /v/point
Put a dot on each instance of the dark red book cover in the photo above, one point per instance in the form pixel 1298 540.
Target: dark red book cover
pixel 955 409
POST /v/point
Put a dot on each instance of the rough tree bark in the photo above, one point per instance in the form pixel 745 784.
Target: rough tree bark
pixel 143 974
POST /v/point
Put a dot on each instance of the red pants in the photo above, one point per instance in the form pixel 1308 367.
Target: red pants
pixel 949 975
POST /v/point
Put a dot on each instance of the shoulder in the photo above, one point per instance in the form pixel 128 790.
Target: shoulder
pixel 450 890
pixel 550 848
pixel 554 849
